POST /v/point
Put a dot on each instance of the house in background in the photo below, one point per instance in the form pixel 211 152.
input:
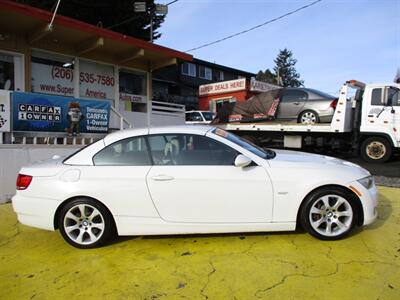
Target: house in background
pixel 180 83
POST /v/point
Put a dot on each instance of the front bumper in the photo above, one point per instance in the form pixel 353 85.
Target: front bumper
pixel 369 199
pixel 35 212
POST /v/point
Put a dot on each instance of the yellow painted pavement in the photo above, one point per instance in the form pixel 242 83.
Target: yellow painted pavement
pixel 37 264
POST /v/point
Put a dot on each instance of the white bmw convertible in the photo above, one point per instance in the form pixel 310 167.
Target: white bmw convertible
pixel 191 179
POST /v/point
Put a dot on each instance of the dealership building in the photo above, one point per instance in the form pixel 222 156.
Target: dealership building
pixel 49 72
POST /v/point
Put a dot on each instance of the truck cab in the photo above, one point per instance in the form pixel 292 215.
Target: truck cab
pixel 380 121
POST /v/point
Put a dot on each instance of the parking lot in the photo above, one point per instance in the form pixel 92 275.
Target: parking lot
pixel 37 264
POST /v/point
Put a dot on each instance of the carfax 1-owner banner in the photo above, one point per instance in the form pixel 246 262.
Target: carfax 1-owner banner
pixel 38 112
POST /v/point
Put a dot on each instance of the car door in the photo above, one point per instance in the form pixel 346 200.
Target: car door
pixel 291 104
pixel 194 180
pixel 384 112
pixel 118 178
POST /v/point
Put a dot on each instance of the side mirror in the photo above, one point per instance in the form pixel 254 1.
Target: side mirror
pixel 242 161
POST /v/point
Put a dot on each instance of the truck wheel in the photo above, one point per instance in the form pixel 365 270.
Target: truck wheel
pixel 308 117
pixel 376 150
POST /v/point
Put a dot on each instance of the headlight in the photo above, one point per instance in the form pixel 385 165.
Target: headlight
pixel 367 182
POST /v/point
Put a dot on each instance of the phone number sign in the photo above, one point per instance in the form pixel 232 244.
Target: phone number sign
pixel 96 80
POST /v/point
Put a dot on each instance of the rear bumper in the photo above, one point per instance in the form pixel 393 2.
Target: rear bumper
pixel 35 212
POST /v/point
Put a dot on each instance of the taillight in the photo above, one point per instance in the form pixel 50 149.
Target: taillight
pixel 23 181
pixel 334 103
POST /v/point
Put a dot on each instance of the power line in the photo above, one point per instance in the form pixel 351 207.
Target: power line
pixel 172 2
pixel 255 27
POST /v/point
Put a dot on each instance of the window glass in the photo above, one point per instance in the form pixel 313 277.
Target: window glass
pixel 194 116
pixel 189 69
pixel 376 98
pixel 188 149
pixel 96 80
pixel 6 72
pixel 294 95
pixel 244 143
pixel 393 97
pixel 205 73
pixel 52 74
pixel 128 152
pixel 209 116
pixel 133 83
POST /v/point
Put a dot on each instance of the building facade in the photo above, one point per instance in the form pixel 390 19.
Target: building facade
pixel 180 83
pixel 74 62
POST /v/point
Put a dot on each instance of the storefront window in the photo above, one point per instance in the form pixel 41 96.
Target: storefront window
pixel 96 81
pixel 52 74
pixel 132 90
pixel 6 72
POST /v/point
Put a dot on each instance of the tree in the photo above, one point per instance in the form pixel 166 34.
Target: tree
pixel 285 70
pixel 266 76
pixel 106 13
pixel 284 73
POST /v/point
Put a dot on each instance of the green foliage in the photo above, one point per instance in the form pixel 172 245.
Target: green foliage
pixel 284 73
pixel 106 13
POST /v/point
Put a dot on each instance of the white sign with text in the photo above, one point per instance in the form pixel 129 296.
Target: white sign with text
pixel 5 111
pixel 52 80
pixel 223 87
pixel 96 80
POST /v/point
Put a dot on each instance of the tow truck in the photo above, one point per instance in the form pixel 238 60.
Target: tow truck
pixel 366 122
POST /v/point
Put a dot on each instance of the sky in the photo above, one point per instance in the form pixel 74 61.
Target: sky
pixel 333 40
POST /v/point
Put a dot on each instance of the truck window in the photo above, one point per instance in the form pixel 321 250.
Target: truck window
pixel 376 98
pixel 393 97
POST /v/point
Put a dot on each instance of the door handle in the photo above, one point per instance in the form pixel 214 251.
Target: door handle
pixel 296 103
pixel 162 178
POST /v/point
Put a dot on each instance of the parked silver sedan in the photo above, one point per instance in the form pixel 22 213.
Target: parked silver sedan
pixel 307 106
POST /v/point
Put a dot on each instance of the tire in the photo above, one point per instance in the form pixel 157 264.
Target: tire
pixel 329 214
pixel 93 230
pixel 376 150
pixel 308 117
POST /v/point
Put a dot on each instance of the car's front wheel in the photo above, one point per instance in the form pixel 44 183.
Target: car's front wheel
pixel 85 223
pixel 329 214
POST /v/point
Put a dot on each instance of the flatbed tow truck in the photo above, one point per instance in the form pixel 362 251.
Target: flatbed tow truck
pixel 366 122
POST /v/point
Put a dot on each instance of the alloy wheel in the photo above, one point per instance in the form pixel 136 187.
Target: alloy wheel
pixel 308 118
pixel 84 224
pixel 331 215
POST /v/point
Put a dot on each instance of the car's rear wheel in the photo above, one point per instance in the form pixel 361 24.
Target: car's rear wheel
pixel 308 117
pixel 329 214
pixel 85 223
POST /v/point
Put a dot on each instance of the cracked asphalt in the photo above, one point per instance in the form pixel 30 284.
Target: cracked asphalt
pixel 37 264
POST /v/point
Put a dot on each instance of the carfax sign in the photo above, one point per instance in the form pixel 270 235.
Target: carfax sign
pixel 37 112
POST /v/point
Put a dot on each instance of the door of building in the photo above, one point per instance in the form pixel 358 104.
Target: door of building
pixel 11 72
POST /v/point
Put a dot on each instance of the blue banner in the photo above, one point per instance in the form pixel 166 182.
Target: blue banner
pixel 38 112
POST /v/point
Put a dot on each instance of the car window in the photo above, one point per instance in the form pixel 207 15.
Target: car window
pixel 294 95
pixel 194 116
pixel 321 95
pixel 209 116
pixel 189 149
pixel 127 152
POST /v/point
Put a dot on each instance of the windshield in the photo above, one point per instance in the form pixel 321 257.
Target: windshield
pixel 260 152
pixel 209 116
